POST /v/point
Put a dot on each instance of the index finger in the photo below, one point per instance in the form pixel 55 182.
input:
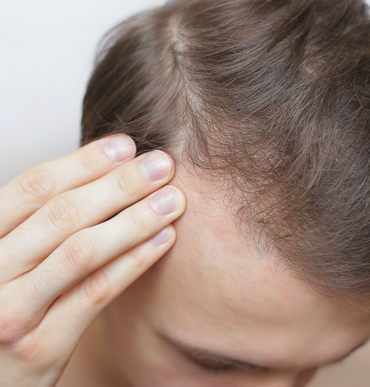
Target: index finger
pixel 24 195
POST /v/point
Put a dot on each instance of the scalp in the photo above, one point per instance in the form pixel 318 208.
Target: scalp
pixel 269 98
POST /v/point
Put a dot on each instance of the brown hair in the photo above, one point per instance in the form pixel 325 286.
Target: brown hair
pixel 269 97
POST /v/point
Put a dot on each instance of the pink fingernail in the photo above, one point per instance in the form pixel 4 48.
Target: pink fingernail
pixel 120 148
pixel 162 237
pixel 155 165
pixel 166 200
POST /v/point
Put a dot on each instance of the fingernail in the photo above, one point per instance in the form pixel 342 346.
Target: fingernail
pixel 166 201
pixel 155 165
pixel 162 237
pixel 119 148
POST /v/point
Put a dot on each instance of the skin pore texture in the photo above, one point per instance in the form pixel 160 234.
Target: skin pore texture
pixel 213 312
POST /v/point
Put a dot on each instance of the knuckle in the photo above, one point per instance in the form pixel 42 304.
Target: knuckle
pixel 97 287
pixel 37 186
pixel 80 253
pixel 32 350
pixel 11 325
pixel 139 260
pixel 90 162
pixel 63 214
pixel 139 221
pixel 125 183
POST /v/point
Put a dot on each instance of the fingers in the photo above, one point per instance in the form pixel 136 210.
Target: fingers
pixel 90 249
pixel 76 309
pixel 51 343
pixel 80 208
pixel 24 195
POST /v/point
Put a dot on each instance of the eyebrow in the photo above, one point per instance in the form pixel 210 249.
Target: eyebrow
pixel 203 354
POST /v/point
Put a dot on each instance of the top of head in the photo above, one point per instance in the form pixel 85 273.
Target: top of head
pixel 269 98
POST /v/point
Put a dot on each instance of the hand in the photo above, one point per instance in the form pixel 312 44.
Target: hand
pixel 60 266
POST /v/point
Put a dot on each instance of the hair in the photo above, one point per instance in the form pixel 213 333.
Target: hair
pixel 271 98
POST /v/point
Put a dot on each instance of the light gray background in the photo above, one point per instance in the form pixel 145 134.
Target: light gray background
pixel 46 54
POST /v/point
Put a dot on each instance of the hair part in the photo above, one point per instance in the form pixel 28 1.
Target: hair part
pixel 270 98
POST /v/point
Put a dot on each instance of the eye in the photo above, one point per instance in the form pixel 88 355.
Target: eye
pixel 211 365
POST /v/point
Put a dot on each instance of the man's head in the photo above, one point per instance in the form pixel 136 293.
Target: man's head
pixel 265 106
pixel 268 98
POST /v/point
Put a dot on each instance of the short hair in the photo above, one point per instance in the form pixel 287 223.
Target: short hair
pixel 271 98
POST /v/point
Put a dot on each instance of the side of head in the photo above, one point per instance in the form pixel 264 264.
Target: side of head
pixel 265 107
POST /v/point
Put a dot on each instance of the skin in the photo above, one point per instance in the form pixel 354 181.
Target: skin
pixel 65 256
pixel 214 297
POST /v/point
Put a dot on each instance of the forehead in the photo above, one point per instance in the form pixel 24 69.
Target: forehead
pixel 218 288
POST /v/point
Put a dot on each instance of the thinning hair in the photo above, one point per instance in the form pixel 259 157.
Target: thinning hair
pixel 272 99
